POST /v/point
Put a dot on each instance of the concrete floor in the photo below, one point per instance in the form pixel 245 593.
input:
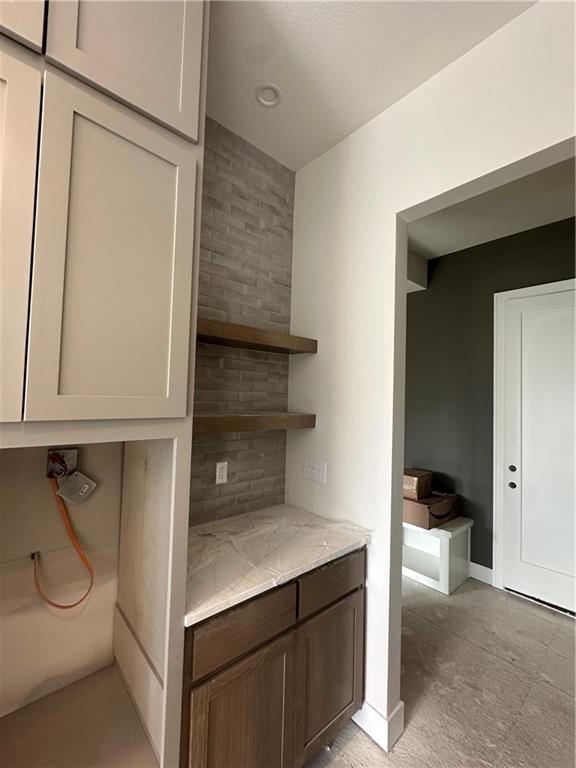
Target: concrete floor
pixel 487 681
pixel 89 724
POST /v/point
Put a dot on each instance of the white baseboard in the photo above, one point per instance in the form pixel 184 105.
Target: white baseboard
pixel 481 573
pixel 385 731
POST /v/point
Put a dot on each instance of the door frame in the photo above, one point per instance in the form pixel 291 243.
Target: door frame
pixel 500 300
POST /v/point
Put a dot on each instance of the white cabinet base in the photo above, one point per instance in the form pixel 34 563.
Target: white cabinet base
pixel 437 558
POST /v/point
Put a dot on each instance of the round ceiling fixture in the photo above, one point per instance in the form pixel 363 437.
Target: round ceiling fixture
pixel 268 95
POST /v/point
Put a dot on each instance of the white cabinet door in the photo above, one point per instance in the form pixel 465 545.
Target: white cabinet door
pixel 24 21
pixel 20 87
pixel 145 52
pixel 112 270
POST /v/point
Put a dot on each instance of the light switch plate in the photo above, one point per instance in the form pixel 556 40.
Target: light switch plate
pixel 221 472
pixel 315 470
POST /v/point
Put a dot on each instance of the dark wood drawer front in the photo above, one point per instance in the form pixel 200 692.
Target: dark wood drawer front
pixel 326 585
pixel 227 637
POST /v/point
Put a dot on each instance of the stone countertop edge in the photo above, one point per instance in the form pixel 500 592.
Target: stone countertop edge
pixel 359 538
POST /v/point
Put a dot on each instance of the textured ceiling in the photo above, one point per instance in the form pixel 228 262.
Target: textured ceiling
pixel 338 64
pixel 529 202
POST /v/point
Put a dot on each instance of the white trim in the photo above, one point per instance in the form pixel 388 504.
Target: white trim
pixel 500 300
pixel 481 573
pixel 412 287
pixel 30 434
pixel 385 731
pixel 142 684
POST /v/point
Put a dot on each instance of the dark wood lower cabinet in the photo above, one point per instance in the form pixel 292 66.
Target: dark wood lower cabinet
pixel 329 674
pixel 278 699
pixel 244 717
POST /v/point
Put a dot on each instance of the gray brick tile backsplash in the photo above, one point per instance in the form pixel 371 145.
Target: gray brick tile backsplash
pixel 245 277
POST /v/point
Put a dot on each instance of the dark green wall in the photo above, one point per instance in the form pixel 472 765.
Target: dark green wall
pixel 449 361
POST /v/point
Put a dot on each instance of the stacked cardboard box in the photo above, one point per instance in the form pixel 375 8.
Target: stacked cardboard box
pixel 424 507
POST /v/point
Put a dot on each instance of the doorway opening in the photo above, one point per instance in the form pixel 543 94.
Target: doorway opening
pixel 496 236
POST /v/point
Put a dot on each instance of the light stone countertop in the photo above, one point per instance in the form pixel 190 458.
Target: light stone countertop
pixel 234 559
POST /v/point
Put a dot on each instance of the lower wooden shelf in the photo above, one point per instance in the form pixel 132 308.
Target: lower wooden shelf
pixel 252 422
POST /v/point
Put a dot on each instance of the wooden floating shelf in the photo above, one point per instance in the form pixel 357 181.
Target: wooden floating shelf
pixel 252 422
pixel 246 337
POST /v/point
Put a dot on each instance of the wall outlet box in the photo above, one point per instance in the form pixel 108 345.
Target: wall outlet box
pixel 221 472
pixel 61 462
pixel 315 470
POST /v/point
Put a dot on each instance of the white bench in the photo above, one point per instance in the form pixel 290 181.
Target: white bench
pixel 439 557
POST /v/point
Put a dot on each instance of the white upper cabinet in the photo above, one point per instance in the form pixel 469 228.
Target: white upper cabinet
pixel 24 21
pixel 112 270
pixel 20 87
pixel 146 53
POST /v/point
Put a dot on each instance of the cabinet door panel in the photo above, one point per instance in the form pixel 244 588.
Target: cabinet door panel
pixel 243 717
pixel 145 52
pixel 330 673
pixel 24 21
pixel 111 285
pixel 20 87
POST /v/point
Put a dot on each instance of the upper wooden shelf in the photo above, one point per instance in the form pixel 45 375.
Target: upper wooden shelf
pixel 246 337
pixel 250 422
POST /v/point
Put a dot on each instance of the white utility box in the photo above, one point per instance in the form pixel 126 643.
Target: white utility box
pixel 439 557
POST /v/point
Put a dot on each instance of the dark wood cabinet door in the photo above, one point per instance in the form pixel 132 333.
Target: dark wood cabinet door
pixel 244 717
pixel 329 674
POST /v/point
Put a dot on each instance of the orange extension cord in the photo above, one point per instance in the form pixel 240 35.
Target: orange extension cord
pixel 77 546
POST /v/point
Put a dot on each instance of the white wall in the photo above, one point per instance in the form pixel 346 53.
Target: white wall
pixel 42 648
pixel 506 99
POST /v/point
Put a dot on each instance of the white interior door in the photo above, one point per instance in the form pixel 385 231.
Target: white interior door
pixel 538 457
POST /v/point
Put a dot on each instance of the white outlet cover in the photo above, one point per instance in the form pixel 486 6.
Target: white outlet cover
pixel 315 470
pixel 76 488
pixel 221 472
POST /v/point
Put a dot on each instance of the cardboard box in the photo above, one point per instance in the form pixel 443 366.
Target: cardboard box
pixel 432 511
pixel 417 483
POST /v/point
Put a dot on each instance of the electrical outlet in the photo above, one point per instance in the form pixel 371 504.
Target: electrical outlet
pixel 221 472
pixel 315 470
